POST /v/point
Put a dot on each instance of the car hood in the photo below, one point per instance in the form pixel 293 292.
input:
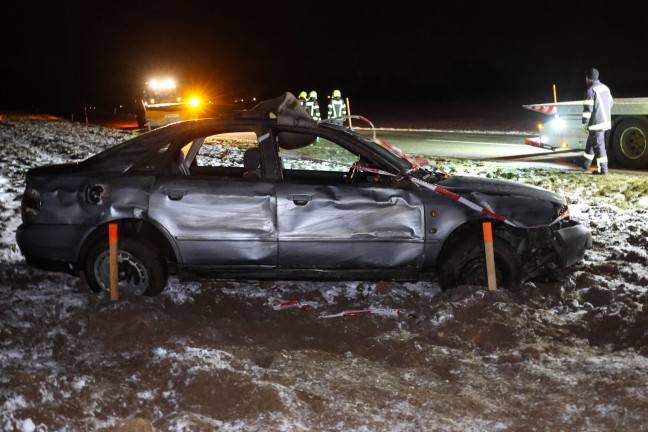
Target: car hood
pixel 527 205
pixel 465 185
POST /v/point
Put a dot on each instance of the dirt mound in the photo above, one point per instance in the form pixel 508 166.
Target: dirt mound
pixel 568 354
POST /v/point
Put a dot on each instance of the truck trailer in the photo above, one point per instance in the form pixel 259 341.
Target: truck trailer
pixel 627 141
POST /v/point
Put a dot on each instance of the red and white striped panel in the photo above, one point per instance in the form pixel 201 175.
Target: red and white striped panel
pixel 545 109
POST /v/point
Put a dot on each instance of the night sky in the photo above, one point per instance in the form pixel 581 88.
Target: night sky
pixel 58 56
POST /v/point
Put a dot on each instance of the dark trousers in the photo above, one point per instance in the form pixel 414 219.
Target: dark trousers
pixel 596 146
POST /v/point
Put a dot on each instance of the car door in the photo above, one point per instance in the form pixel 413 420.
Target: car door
pixel 217 216
pixel 326 221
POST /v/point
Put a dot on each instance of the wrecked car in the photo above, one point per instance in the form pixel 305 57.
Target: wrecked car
pixel 310 200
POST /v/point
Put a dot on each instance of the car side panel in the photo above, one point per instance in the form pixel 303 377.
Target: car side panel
pixel 346 226
pixel 218 222
pixel 442 216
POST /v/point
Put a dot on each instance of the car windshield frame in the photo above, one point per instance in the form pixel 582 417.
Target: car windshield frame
pixel 397 160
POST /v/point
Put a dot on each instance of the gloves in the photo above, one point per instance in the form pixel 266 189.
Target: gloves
pixel 585 128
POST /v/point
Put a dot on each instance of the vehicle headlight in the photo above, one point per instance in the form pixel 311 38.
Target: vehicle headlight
pixel 558 124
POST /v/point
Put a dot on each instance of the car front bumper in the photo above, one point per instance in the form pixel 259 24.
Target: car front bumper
pixel 571 242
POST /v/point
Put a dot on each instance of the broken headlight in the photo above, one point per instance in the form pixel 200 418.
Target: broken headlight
pixel 560 213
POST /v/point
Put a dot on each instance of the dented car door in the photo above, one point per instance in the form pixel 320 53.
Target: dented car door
pixel 327 218
pixel 218 223
pixel 348 226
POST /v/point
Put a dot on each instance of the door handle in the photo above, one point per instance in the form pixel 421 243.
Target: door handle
pixel 176 194
pixel 300 200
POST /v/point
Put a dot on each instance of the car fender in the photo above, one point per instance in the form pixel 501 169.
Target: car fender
pixel 139 229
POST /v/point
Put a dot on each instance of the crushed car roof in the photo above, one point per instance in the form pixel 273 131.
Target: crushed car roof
pixel 286 109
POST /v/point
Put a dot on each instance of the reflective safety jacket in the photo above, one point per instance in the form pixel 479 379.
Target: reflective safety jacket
pixel 312 106
pixel 597 108
pixel 337 108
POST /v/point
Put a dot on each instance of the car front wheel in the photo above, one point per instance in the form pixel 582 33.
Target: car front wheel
pixel 140 269
pixel 465 264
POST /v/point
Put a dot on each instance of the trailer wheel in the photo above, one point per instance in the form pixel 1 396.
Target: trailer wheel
pixel 465 264
pixel 630 143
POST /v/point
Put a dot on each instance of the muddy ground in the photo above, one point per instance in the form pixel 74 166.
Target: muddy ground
pixel 570 354
pixel 219 357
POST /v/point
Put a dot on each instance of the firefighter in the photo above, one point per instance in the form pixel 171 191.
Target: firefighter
pixel 337 108
pixel 302 98
pixel 312 106
pixel 597 119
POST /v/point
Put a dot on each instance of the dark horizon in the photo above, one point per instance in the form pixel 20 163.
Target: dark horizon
pixel 63 57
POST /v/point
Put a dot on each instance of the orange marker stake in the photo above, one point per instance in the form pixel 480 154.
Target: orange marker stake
pixel 349 113
pixel 114 277
pixel 490 256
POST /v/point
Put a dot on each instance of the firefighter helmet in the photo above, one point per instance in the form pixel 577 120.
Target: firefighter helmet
pixel 302 95
pixel 313 95
pixel 337 94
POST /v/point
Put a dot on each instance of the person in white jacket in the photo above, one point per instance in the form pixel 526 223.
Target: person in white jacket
pixel 597 118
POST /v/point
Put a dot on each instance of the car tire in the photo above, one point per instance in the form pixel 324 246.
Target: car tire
pixel 141 270
pixel 630 143
pixel 465 264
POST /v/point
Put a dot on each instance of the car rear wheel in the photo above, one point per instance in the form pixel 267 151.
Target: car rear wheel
pixel 465 264
pixel 140 268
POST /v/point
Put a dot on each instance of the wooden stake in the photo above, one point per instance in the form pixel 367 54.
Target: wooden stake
pixel 349 113
pixel 114 275
pixel 490 256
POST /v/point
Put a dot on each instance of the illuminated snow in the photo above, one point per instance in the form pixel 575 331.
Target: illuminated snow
pixel 476 361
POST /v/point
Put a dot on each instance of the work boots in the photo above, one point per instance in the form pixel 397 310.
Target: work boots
pixel 602 169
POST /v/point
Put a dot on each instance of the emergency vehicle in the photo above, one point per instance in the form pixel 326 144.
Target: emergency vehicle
pixel 165 102
pixel 627 141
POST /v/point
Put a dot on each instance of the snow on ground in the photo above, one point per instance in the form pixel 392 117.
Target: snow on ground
pixel 567 355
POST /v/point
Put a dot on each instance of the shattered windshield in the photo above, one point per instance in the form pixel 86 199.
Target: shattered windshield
pixel 388 152
pixel 421 168
pixel 151 146
pixel 134 146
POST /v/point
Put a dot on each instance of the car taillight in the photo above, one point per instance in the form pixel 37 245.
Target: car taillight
pixel 31 203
